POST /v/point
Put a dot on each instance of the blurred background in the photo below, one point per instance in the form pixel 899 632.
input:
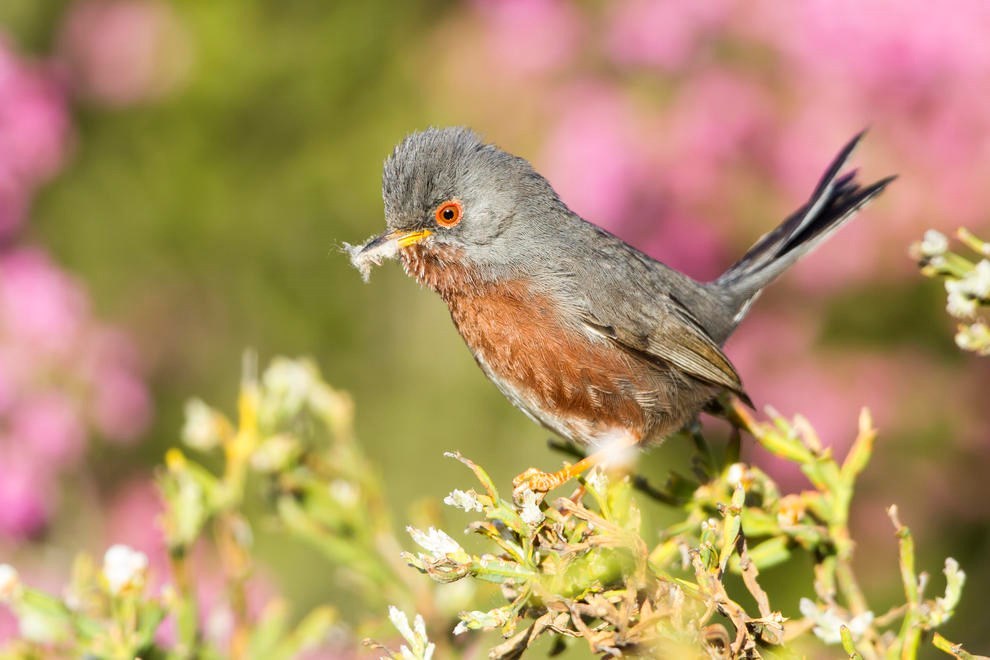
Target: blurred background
pixel 176 179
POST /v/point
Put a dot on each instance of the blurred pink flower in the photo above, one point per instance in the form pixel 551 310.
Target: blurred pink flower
pixel 48 424
pixel 590 157
pixel 8 624
pixel 132 519
pixel 715 129
pixel 122 52
pixel 662 33
pixel 689 244
pixel 895 51
pixel 529 36
pixel 63 375
pixel 122 408
pixel 26 494
pixel 34 133
pixel 40 306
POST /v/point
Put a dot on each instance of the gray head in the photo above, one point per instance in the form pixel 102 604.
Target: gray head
pixel 445 189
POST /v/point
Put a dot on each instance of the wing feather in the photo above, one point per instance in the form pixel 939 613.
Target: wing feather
pixel 677 340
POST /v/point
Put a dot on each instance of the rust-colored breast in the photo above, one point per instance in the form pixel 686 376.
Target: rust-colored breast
pixel 583 387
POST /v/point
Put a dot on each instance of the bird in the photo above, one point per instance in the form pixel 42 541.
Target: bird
pixel 590 337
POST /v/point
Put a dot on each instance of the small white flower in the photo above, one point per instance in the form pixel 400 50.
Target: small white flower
pixel 290 383
pixel 10 583
pixel 959 303
pixel 329 403
pixel 597 479
pixel 124 567
pixel 529 509
pixel 736 474
pixel 219 624
pixel 974 337
pixel 201 429
pixel 275 453
pixel 978 280
pixel 344 492
pixel 422 647
pixel 400 621
pixel 36 627
pixel 436 542
pixel 478 620
pixel 466 501
pixel 828 622
pixel 933 244
pixel 966 293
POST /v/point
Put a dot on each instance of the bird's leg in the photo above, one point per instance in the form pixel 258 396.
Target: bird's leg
pixel 542 482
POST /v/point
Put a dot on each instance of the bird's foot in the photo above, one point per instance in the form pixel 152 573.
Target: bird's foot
pixel 538 481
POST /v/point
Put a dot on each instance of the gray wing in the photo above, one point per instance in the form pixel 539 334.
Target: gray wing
pixel 654 312
pixel 668 335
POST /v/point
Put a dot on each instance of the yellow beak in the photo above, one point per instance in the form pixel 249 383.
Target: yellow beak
pixel 409 238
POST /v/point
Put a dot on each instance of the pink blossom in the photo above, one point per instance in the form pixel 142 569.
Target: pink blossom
pixel 122 52
pixel 590 156
pixel 661 33
pixel 122 407
pixel 34 133
pixel 26 495
pixel 49 425
pixel 688 243
pixel 39 304
pixel 529 36
pixel 897 51
pixel 63 376
pixel 8 625
pixel 717 125
pixel 132 519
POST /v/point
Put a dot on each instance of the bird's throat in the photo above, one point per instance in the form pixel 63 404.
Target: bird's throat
pixel 442 269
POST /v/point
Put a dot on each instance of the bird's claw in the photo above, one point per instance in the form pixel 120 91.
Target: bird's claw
pixel 535 480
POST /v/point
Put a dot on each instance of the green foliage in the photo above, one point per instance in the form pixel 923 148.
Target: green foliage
pixel 577 569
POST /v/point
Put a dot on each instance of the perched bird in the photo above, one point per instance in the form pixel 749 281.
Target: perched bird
pixel 590 337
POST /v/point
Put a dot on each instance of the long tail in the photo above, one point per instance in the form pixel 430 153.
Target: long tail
pixel 835 201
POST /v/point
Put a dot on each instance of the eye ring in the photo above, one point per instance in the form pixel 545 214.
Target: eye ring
pixel 449 213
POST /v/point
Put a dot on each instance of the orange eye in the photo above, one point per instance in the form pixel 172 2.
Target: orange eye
pixel 449 213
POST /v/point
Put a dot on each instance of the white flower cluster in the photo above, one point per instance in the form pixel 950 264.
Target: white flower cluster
pixel 124 568
pixel 289 382
pixel 420 647
pixel 478 620
pixel 829 621
pixel 437 543
pixel 464 500
pixel 974 337
pixel 934 244
pixel 10 583
pixel 289 386
pixel 529 507
pixel 966 293
pixel 202 427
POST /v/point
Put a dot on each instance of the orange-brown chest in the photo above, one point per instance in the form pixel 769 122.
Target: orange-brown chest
pixel 579 386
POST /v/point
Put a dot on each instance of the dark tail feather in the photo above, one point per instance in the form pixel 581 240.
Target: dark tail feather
pixel 835 201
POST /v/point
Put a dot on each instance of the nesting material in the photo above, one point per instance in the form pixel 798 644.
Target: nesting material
pixel 372 253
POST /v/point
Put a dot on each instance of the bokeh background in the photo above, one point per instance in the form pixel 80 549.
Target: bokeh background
pixel 176 179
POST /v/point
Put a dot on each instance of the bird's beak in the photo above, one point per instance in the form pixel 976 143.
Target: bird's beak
pixel 400 237
pixel 383 247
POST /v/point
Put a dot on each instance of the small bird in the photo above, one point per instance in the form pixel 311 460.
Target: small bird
pixel 590 337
